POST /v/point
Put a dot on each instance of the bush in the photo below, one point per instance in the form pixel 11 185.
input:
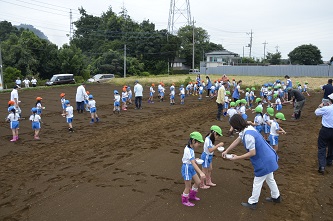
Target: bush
pixel 78 79
pixel 145 74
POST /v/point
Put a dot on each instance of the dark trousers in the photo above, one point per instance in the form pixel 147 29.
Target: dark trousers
pixel 325 140
pixel 138 101
pixel 208 92
pixel 219 110
pixel 80 106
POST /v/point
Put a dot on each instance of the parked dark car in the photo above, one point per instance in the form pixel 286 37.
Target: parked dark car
pixel 61 79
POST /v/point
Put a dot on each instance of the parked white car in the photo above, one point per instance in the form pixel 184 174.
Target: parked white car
pixel 101 78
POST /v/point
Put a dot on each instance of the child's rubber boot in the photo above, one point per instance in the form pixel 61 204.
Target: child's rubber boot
pixel 36 138
pixel 203 186
pixel 97 119
pixel 209 182
pixel 14 139
pixel 193 195
pixel 185 201
pixel 92 121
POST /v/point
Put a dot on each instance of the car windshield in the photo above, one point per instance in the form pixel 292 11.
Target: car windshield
pixel 54 78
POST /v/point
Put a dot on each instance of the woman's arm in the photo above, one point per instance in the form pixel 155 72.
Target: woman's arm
pixel 232 146
pixel 249 154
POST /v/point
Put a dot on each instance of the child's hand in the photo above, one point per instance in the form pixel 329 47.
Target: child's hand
pixel 220 144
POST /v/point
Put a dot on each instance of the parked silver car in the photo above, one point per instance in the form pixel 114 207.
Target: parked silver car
pixel 101 78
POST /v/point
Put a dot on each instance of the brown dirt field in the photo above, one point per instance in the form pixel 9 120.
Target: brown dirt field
pixel 127 167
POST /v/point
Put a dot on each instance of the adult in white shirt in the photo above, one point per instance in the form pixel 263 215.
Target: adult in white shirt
pixel 14 97
pixel 18 82
pixel 81 94
pixel 138 90
pixel 33 82
pixel 26 82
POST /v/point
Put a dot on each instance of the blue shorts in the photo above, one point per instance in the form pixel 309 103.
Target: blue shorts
pixel 162 94
pixel 35 125
pixel 252 98
pixel 259 128
pixel 151 94
pixel 86 101
pixel 226 105
pixel 182 96
pixel 116 104
pixel 93 110
pixel 130 96
pixel 267 129
pixel 63 106
pixel 14 124
pixel 188 171
pixel 200 92
pixel 269 97
pixel 273 140
pixel 207 160
pixel 124 100
pixel 69 120
pixel 39 111
pixel 172 97
pixel 279 107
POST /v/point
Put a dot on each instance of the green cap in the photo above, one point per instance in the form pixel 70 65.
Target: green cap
pixel 258 99
pixel 280 116
pixel 238 102
pixel 253 88
pixel 247 89
pixel 243 101
pixel 269 88
pixel 227 92
pixel 196 136
pixel 275 95
pixel 270 111
pixel 232 104
pixel 258 109
pixel 306 82
pixel 217 129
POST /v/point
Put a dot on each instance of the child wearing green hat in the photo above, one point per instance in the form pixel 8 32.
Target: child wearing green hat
pixel 190 169
pixel 226 102
pixel 242 109
pixel 266 119
pixel 258 119
pixel 276 130
pixel 231 112
pixel 305 88
pixel 207 155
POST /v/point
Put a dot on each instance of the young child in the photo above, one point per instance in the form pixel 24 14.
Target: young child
pixel 201 90
pixel 252 96
pixel 62 101
pixel 276 130
pixel 13 118
pixel 92 108
pixel 226 103
pixel 258 120
pixel 278 103
pixel 116 102
pixel 242 109
pixel 69 115
pixel 190 169
pixel 151 94
pixel 162 93
pixel 305 89
pixel 207 155
pixel 247 96
pixel 299 87
pixel 35 122
pixel 195 89
pixel 172 94
pixel 182 94
pixel 86 107
pixel 39 105
pixel 129 95
pixel 266 126
pixel 231 112
pixel 212 91
pixel 124 98
pixel 269 96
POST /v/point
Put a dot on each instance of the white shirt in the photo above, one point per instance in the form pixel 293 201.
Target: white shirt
pixel 26 82
pixel 266 118
pixel 33 81
pixel 92 103
pixel 258 120
pixel 274 128
pixel 231 112
pixel 208 144
pixel 13 95
pixel 182 91
pixel 242 110
pixel 188 155
pixel 80 93
pixel 117 98
pixel 18 82
pixel 69 110
pixel 35 118
pixel 249 139
pixel 327 115
pixel 138 89
pixel 11 117
pixel 124 94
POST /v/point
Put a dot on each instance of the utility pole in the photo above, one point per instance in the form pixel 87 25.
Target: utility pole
pixel 125 61
pixel 277 48
pixel 193 48
pixel 70 25
pixel 1 73
pixel 250 45
pixel 265 43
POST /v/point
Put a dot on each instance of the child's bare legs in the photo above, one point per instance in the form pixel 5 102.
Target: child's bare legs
pixel 209 175
pixel 36 134
pixel 276 147
pixel 202 181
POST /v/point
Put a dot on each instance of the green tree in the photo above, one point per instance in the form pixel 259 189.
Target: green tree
pixel 274 58
pixel 71 60
pixel 306 55
pixel 10 74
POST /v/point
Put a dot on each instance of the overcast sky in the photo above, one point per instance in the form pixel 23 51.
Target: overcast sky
pixel 283 24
